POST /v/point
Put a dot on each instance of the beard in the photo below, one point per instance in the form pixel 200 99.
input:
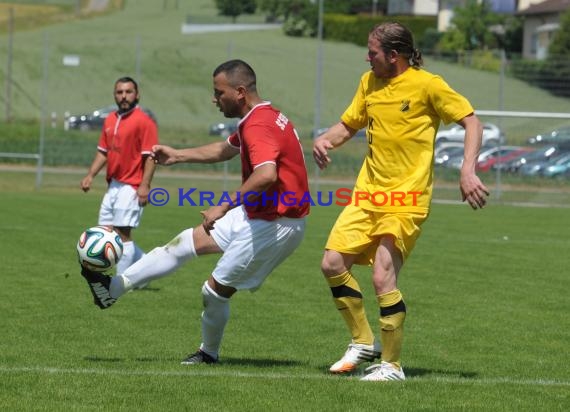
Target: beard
pixel 128 107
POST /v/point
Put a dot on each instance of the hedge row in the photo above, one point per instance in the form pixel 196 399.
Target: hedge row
pixel 551 74
pixel 355 29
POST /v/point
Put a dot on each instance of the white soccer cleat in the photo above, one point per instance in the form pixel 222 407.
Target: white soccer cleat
pixel 384 371
pixel 356 354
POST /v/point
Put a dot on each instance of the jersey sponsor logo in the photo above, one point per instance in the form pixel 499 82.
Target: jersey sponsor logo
pixel 281 121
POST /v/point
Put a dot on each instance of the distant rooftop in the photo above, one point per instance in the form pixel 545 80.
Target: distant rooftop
pixel 547 7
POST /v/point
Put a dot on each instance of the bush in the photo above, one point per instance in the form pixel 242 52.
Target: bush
pixel 551 74
pixel 355 29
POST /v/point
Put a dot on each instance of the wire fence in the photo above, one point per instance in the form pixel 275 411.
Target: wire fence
pixel 52 79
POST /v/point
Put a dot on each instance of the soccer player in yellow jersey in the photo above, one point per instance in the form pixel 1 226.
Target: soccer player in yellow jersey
pixel 401 105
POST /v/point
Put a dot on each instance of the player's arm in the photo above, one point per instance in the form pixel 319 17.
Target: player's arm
pixel 210 153
pixel 334 137
pixel 472 189
pixel 259 181
pixel 98 163
pixel 148 172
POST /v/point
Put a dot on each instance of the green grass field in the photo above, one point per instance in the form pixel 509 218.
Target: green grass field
pixel 487 291
pixel 487 326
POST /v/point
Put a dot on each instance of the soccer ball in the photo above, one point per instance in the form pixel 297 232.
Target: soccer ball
pixel 99 248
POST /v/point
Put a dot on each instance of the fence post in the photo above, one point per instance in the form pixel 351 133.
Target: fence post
pixel 43 104
pixel 8 79
pixel 501 108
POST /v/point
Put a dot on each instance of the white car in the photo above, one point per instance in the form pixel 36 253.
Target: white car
pixel 491 135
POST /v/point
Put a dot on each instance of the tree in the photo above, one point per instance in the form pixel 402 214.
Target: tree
pixel 513 39
pixel 234 8
pixel 471 26
pixel 561 42
pixel 273 8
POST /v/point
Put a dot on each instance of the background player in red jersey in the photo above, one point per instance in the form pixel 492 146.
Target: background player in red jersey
pixel 125 147
pixel 254 235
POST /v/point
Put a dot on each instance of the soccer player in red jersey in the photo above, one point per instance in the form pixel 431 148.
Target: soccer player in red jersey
pixel 258 227
pixel 125 148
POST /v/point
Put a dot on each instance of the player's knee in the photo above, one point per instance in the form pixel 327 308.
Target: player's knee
pixel 124 232
pixel 332 263
pixel 209 296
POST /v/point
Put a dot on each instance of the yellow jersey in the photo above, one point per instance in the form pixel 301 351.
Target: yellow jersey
pixel 402 115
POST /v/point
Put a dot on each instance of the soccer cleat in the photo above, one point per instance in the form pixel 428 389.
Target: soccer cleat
pixel 199 357
pixel 356 354
pixel 384 371
pixel 99 286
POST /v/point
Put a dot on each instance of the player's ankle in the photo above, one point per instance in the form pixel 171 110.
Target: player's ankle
pixel 119 286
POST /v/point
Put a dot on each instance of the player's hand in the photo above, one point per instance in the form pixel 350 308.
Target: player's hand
pixel 164 155
pixel 321 149
pixel 86 183
pixel 142 194
pixel 473 191
pixel 211 215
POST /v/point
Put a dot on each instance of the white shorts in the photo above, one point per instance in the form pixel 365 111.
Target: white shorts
pixel 253 247
pixel 120 206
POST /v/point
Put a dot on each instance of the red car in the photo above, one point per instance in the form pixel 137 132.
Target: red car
pixel 503 155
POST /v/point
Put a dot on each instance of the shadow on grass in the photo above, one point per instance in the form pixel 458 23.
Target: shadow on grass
pixel 259 362
pixel 410 372
pixel 102 359
pixel 147 289
pixel 418 372
pixel 148 359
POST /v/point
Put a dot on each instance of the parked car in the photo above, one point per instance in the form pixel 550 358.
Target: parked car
pixel 502 156
pixel 217 129
pixel 446 146
pixel 442 155
pixel 537 155
pixel 492 135
pixel 95 119
pixel 553 137
pixel 557 167
pixel 532 168
pixel 485 154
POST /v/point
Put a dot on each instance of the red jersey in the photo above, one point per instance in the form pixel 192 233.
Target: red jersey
pixel 126 139
pixel 265 135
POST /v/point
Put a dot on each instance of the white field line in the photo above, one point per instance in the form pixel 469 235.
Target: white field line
pixel 214 372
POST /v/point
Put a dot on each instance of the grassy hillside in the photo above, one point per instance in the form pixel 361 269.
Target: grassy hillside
pixel 145 40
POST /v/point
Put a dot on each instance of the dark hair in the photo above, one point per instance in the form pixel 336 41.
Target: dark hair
pixel 395 36
pixel 239 73
pixel 127 79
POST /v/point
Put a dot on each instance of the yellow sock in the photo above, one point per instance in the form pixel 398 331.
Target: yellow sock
pixel 348 300
pixel 392 315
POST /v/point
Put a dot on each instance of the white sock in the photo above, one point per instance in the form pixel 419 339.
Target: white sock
pixel 159 262
pixel 214 319
pixel 128 257
pixel 139 253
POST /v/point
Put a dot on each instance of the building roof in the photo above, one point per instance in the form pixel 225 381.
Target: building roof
pixel 546 7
